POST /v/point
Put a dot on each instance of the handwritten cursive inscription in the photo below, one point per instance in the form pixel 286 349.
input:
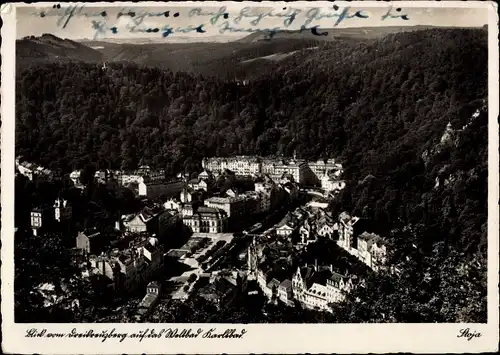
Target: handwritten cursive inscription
pixel 288 14
pixel 247 20
pixel 468 334
pixel 141 334
pixel 340 15
pixel 214 15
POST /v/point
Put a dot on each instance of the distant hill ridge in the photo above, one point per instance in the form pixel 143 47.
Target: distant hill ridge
pixel 50 48
pixel 250 56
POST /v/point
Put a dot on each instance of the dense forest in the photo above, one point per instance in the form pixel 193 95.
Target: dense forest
pixel 380 107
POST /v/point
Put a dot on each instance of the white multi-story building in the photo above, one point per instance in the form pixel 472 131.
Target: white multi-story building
pixel 75 178
pixel 206 220
pixel 62 210
pixel 372 250
pixel 240 165
pixel 345 227
pixel 331 184
pixel 318 289
pixel 129 268
pixel 233 206
pixel 297 169
pixel 322 167
pixel 172 204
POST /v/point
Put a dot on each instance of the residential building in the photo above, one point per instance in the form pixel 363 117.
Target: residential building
pixel 240 165
pixel 222 291
pixel 372 250
pixel 149 300
pixel 186 195
pixel 132 267
pixel 345 228
pixel 140 222
pixel 297 169
pixel 90 242
pixel 173 204
pixel 323 167
pixel 273 287
pixel 62 210
pixel 103 176
pixel 285 230
pixel 152 188
pixel 232 193
pixel 42 218
pixel 187 210
pixel 307 233
pixel 206 175
pixel 318 288
pixel 332 184
pixel 26 169
pixel 325 225
pixel 285 292
pixel 32 171
pixel 75 178
pixel 235 207
pixel 253 202
pixel 206 220
pixel 292 191
pixel 265 201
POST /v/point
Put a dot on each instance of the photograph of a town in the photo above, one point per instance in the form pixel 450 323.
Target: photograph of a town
pixel 287 177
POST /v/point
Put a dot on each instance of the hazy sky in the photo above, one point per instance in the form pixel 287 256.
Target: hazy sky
pixel 83 24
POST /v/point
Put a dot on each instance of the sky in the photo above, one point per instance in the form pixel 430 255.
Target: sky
pixel 83 24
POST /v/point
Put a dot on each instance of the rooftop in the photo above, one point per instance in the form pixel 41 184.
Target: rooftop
pixel 148 300
pixel 286 284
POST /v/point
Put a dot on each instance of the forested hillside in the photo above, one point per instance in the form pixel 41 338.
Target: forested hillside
pixel 380 107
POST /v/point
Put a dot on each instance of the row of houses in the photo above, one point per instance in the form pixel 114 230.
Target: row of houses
pixel 212 214
pixel 48 215
pixel 302 171
pixel 312 286
pixel 127 268
pixel 349 232
pixel 368 247
pixel 33 171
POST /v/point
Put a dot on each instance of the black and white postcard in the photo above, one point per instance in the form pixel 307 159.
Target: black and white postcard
pixel 243 177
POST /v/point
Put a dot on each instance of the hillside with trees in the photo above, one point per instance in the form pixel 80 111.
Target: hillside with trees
pixel 381 107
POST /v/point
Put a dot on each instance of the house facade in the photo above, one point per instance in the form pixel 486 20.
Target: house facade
pixel 206 220
pixel 331 184
pixel 285 230
pixel 317 289
pixel 132 267
pixel 89 241
pixel 240 165
pixel 233 206
pixel 372 250
pixel 62 210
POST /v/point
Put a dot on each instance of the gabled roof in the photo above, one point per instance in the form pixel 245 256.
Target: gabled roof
pixel 285 226
pixel 273 283
pixel 336 277
pixel 147 301
pixel 287 284
pixel 153 284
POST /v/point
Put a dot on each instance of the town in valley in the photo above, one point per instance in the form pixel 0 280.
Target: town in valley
pixel 241 227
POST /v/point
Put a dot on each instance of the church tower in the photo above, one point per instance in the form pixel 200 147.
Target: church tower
pixel 252 261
